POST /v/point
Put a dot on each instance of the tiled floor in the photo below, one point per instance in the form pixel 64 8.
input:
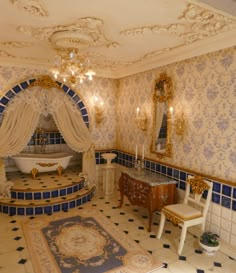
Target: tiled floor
pixel 15 258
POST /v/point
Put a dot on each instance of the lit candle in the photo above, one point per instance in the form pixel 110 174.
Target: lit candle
pixel 143 153
pixel 136 152
pixel 137 112
pixel 171 112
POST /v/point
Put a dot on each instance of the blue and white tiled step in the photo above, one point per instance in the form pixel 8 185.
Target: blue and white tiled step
pixel 46 201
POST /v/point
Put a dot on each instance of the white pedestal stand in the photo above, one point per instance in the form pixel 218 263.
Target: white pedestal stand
pixel 108 178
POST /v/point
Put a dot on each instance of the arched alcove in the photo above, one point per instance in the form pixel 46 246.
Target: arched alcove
pixel 11 93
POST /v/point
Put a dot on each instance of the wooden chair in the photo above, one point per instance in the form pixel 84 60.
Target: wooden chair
pixel 192 212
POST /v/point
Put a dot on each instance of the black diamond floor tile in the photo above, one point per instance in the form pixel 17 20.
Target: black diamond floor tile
pixel 182 258
pixel 20 248
pixel 165 265
pixel 200 271
pixel 17 238
pixel 15 229
pixel 166 246
pixel 217 264
pixel 22 261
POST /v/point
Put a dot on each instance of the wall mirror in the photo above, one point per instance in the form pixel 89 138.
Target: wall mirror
pixel 162 97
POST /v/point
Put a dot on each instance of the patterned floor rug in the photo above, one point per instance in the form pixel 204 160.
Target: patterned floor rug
pixel 86 242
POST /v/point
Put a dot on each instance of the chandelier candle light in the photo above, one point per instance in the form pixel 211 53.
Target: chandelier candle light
pixel 72 68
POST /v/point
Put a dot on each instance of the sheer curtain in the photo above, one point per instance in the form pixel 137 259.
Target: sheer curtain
pixel 76 134
pixel 21 118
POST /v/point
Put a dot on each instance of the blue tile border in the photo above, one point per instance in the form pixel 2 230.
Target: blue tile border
pixel 224 195
pixel 47 194
pixel 47 208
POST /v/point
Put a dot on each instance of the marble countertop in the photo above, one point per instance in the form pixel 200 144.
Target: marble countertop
pixel 151 178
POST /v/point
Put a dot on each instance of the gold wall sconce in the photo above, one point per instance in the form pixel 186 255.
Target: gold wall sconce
pixel 141 119
pixel 99 110
pixel 180 124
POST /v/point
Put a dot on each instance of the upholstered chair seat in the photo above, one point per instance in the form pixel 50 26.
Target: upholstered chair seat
pixel 182 212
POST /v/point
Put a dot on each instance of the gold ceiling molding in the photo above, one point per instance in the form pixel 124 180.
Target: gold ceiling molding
pixel 32 7
pixel 86 32
pixel 16 44
pixel 197 23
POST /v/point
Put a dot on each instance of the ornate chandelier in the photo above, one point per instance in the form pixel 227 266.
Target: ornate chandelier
pixel 72 68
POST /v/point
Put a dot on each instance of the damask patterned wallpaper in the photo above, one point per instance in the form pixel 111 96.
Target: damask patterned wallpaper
pixel 204 88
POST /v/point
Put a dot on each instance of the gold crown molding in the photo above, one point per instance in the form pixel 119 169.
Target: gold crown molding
pixel 197 23
pixel 16 44
pixel 32 7
pixel 85 32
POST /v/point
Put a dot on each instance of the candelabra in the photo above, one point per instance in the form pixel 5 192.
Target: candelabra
pixel 99 110
pixel 141 119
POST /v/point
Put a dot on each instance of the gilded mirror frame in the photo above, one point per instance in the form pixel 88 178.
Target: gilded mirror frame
pixel 162 95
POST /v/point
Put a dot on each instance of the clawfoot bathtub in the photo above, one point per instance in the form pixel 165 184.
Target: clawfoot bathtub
pixel 38 163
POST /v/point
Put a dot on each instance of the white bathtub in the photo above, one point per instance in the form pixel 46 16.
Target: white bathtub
pixel 38 163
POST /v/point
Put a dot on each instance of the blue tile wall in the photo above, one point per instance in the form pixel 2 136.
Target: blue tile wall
pixel 51 138
pixel 224 195
pixel 226 190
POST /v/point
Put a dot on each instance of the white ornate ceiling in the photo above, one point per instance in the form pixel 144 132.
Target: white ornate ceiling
pixel 120 37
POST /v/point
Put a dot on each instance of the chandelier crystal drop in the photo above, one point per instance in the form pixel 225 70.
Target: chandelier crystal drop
pixel 72 68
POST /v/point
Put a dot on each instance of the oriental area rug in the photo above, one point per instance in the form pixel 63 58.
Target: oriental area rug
pixel 85 242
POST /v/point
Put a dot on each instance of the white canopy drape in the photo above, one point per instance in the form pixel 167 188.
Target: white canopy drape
pixel 22 115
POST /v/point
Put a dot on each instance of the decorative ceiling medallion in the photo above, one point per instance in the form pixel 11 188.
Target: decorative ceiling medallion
pixel 71 39
pixel 16 44
pixel 198 23
pixel 32 7
pixel 86 32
